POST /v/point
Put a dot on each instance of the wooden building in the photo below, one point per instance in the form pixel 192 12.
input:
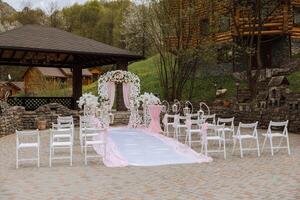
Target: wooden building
pixel 35 77
pixel 222 23
pixel 13 87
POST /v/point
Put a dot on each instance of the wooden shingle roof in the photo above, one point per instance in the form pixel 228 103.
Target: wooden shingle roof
pixel 49 46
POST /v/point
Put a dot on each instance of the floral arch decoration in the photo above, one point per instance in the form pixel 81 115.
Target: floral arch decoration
pixel 119 76
pixel 131 92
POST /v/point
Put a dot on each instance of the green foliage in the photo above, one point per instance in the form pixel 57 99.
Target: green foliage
pixel 204 85
pixel 31 16
pixel 93 88
pixel 294 80
pixel 98 20
pixel 146 70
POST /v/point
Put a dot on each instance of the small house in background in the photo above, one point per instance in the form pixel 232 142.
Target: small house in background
pixel 35 77
pixel 87 76
pixel 96 72
pixel 12 87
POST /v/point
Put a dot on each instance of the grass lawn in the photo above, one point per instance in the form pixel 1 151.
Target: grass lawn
pixel 294 80
pixel 204 86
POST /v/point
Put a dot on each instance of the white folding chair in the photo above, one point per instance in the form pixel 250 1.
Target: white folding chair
pixel 212 136
pixel 228 126
pixel 277 134
pixel 21 135
pixel 168 122
pixel 83 120
pixel 211 119
pixel 90 127
pixel 179 124
pixel 94 137
pixel 66 123
pixel 56 143
pixel 193 128
pixel 246 132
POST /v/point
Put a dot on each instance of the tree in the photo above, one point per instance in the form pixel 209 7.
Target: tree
pixel 249 33
pixel 31 16
pixel 174 34
pixel 134 29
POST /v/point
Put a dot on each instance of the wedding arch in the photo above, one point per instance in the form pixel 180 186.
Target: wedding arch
pixel 131 91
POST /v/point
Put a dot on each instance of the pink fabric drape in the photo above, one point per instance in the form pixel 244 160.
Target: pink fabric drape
pixel 154 111
pixel 111 93
pixel 126 94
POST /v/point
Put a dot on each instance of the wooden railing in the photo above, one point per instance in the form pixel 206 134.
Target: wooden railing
pixel 32 103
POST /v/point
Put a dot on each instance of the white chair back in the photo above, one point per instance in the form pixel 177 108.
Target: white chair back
pixel 210 118
pixel 57 132
pixel 65 122
pixel 212 128
pixel 168 117
pixel 24 134
pixel 249 127
pixel 277 126
pixel 228 122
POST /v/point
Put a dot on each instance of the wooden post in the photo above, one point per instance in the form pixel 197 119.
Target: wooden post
pixel 77 84
pixel 119 90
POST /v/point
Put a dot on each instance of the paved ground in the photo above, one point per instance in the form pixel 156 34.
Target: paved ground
pixel 266 177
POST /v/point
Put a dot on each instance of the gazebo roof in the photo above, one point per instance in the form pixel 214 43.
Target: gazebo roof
pixel 34 45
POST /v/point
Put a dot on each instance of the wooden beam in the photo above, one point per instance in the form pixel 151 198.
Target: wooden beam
pixel 77 83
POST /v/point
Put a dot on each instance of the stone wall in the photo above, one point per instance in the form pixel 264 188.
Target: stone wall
pixel 17 118
pixel 249 113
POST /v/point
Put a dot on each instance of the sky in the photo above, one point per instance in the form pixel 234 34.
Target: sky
pixel 43 4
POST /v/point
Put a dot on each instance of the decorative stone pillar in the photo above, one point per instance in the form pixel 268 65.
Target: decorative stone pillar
pixel 119 88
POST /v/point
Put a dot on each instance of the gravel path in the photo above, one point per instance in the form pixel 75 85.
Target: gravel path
pixel 266 177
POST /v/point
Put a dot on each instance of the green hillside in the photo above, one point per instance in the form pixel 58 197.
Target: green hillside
pixel 204 86
pixel 294 80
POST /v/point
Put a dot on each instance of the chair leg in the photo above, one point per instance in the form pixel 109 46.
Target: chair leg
pixel 241 148
pixel 167 130
pixel 257 146
pixel 271 143
pixel 224 148
pixel 38 154
pixel 50 157
pixel 263 146
pixel 104 154
pixel 17 158
pixel 71 155
pixel 85 154
pixel 288 144
pixel 233 148
pixel 81 144
pixel 186 137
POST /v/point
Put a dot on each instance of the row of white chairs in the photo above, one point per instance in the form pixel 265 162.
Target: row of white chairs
pixel 218 130
pixel 62 137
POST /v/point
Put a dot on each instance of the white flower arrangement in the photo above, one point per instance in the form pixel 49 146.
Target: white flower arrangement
pixel 88 99
pixel 149 99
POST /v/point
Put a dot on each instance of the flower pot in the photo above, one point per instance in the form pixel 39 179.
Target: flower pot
pixel 226 103
pixel 41 124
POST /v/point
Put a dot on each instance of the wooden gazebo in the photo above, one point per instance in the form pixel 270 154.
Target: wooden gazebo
pixel 34 45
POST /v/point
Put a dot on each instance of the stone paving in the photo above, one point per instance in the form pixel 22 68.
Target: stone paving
pixel 263 178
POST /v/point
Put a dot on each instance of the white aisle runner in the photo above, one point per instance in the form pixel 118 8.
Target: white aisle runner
pixel 142 149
